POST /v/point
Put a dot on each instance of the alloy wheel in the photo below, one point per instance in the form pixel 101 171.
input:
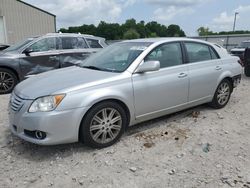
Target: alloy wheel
pixel 105 125
pixel 223 93
pixel 7 82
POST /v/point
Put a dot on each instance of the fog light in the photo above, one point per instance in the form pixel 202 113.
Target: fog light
pixel 40 135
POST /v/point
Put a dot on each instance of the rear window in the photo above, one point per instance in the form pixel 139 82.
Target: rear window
pixel 199 52
pixel 93 43
pixel 73 43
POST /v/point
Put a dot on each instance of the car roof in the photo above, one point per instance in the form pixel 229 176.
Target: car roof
pixel 74 35
pixel 166 39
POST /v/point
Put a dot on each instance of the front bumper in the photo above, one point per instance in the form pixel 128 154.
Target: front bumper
pixel 60 126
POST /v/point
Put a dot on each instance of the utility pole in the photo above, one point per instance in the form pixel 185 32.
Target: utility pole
pixel 235 15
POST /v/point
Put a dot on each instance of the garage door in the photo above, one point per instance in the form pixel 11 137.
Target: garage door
pixel 2 31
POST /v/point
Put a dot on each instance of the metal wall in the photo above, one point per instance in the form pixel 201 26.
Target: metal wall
pixel 227 41
pixel 22 20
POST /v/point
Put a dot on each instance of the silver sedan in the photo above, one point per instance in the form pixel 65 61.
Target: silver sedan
pixel 125 83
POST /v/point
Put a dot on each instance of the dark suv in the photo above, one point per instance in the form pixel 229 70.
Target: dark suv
pixel 239 50
pixel 39 54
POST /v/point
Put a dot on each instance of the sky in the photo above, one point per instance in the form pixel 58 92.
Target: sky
pixel 217 15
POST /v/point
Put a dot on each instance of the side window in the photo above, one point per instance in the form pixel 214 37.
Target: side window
pixel 168 55
pixel 68 42
pixel 213 54
pixel 197 52
pixel 73 43
pixel 81 43
pixel 45 44
pixel 93 43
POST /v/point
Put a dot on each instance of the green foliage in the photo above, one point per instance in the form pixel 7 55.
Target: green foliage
pixel 153 35
pixel 204 31
pixel 128 30
pixel 131 34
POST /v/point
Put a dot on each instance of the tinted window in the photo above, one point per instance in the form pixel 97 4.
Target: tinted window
pixel 73 43
pixel 198 52
pixel 168 55
pixel 93 43
pixel 45 44
pixel 213 54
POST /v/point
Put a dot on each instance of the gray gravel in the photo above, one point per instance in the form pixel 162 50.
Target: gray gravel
pixel 199 147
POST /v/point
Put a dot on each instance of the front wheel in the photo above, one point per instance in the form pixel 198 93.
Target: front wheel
pixel 103 125
pixel 222 94
pixel 8 81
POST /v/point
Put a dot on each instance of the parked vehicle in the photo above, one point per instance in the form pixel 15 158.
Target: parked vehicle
pixel 3 46
pixel 44 53
pixel 121 85
pixel 247 62
pixel 239 50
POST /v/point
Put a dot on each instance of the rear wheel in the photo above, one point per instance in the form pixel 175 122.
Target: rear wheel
pixel 247 70
pixel 222 94
pixel 103 125
pixel 8 80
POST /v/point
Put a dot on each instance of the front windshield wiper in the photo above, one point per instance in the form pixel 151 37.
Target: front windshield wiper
pixel 97 68
pixel 91 67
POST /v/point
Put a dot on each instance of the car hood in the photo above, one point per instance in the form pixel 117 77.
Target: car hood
pixel 238 50
pixel 9 54
pixel 61 80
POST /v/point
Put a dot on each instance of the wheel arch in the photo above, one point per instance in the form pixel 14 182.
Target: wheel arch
pixel 11 69
pixel 115 100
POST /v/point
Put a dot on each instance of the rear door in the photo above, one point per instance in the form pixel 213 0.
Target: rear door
pixel 157 92
pixel 204 68
pixel 44 56
pixel 73 51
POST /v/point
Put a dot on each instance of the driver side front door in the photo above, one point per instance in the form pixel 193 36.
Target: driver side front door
pixel 43 56
pixel 160 92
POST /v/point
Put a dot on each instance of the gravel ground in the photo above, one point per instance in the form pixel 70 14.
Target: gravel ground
pixel 199 147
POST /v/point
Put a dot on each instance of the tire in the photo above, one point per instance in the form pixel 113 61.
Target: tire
pixel 222 94
pixel 247 70
pixel 97 131
pixel 8 81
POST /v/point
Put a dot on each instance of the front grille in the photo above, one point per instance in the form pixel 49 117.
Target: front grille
pixel 16 102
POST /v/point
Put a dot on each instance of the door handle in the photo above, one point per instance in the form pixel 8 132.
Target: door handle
pixel 218 68
pixel 182 75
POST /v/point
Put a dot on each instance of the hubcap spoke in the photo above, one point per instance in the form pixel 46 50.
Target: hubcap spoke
pixel 97 134
pixel 116 127
pixel 114 120
pixel 95 127
pixel 104 113
pixel 97 119
pixel 112 136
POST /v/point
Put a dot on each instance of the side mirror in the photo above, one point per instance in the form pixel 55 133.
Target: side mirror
pixel 27 51
pixel 148 66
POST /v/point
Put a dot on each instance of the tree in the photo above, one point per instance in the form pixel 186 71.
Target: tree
pixel 131 34
pixel 203 31
pixel 128 30
pixel 175 31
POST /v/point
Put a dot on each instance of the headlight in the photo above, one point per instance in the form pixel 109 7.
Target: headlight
pixel 47 103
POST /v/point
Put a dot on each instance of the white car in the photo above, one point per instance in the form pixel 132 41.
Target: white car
pixel 119 86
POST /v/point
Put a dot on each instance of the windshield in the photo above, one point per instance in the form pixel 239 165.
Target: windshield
pixel 245 45
pixel 18 45
pixel 116 57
